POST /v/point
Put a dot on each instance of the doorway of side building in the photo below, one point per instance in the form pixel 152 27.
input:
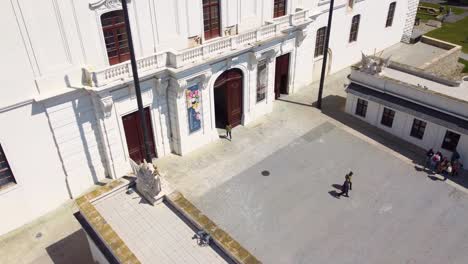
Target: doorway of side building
pixel 281 75
pixel 228 98
pixel 134 135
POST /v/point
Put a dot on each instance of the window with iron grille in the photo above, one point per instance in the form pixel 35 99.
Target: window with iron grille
pixel 211 19
pixel 353 34
pixel 279 8
pixel 115 36
pixel 361 108
pixel 320 41
pixel 6 175
pixel 451 141
pixel 391 14
pixel 418 128
pixel 261 81
pixel 387 117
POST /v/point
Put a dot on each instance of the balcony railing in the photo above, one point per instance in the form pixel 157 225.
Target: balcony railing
pixel 178 59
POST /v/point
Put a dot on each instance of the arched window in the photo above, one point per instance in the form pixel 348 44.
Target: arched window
pixel 353 34
pixel 211 18
pixel 115 36
pixel 391 14
pixel 279 8
pixel 320 41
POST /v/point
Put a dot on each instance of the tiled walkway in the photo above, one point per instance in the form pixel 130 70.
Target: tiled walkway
pixel 155 234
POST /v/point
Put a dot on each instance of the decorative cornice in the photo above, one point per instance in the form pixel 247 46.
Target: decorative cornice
pixel 105 4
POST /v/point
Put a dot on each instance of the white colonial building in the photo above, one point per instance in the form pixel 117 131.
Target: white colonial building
pixel 67 105
pixel 422 108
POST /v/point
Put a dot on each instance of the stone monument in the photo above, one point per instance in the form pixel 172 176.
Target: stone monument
pixel 373 65
pixel 148 182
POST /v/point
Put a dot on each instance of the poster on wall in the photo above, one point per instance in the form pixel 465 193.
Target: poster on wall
pixel 193 96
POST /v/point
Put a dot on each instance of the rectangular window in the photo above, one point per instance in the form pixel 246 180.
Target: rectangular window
pixel 211 19
pixel 115 37
pixel 418 128
pixel 451 141
pixel 194 113
pixel 6 175
pixel 279 8
pixel 361 108
pixel 320 41
pixel 387 117
pixel 391 14
pixel 261 81
pixel 353 34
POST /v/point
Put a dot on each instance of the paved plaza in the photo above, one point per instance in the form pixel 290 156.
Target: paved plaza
pixel 271 189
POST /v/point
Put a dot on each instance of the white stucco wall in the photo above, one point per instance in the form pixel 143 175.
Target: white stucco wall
pixel 30 149
pixel 433 136
pixel 57 129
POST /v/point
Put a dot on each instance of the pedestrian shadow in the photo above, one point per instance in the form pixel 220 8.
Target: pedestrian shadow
pixel 334 193
pixel 422 169
pixel 337 186
pixel 434 178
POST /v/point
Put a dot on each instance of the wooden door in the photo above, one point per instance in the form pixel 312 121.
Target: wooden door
pixel 281 75
pixel 134 135
pixel 228 98
pixel 234 97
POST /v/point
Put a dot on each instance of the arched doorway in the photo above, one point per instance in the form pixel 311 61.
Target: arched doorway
pixel 228 98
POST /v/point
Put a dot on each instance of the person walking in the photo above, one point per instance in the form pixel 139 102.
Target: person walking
pixel 344 189
pixel 429 155
pixel 348 177
pixel 228 131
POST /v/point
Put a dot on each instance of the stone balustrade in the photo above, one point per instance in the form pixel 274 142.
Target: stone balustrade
pixel 179 59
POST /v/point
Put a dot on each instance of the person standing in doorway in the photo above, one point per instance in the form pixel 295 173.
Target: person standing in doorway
pixel 228 131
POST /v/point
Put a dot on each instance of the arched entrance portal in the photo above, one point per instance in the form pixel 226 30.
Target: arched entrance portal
pixel 228 98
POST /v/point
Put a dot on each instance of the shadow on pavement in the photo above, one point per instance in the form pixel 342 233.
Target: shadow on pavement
pixel 337 186
pixel 334 194
pixel 333 106
pixel 72 249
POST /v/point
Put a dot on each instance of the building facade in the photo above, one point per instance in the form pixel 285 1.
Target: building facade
pixel 421 108
pixel 68 107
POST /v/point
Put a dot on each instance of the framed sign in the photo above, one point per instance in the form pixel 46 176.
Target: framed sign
pixel 193 97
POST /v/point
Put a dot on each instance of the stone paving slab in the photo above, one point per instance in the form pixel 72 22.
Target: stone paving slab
pixel 395 214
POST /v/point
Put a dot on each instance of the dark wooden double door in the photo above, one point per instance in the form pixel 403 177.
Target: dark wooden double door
pixel 134 135
pixel 228 98
pixel 281 75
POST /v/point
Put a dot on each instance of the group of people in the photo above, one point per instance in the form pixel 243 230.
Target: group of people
pixel 347 185
pixel 437 163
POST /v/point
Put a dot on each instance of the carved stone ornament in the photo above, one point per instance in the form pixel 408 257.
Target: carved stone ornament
pixel 105 4
pixel 373 65
pixel 301 34
pixel 107 103
pixel 148 182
